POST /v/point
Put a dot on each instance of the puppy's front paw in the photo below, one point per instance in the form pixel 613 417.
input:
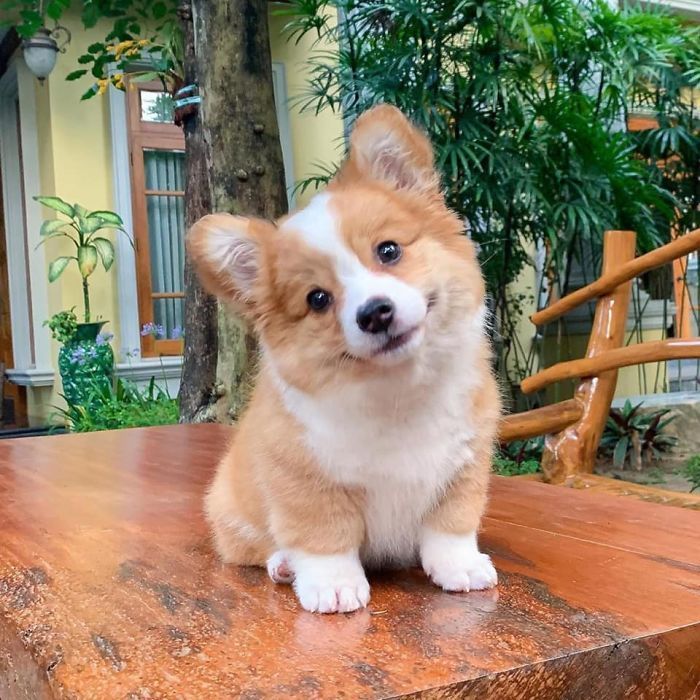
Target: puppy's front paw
pixel 330 583
pixel 454 562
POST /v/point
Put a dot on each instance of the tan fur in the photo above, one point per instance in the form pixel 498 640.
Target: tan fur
pixel 269 492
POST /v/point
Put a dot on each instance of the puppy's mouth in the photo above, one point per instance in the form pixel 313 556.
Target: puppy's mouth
pixel 395 342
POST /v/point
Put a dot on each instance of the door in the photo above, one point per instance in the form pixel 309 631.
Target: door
pixel 14 398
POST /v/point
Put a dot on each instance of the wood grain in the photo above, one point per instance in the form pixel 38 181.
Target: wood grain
pixel 109 589
pixel 678 248
pixel 539 421
pixel 638 354
pixel 573 450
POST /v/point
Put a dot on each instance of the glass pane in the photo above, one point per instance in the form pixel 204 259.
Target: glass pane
pixel 165 170
pixel 169 314
pixel 156 107
pixel 166 229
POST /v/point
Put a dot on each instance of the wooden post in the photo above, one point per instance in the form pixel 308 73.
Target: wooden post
pixel 573 450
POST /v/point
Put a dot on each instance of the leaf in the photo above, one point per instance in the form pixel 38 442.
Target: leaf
pixel 57 266
pixel 159 10
pixel 106 251
pixel 76 74
pixel 620 453
pixel 51 227
pixel 108 217
pixel 87 259
pixel 57 204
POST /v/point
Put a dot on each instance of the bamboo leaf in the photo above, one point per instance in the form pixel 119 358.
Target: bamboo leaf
pixel 87 259
pixel 57 266
pixel 620 453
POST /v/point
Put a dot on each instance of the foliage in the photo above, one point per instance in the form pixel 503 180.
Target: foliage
pixel 62 326
pixel 505 466
pixel 691 471
pixel 519 457
pixel 635 436
pixel 145 39
pixel 121 405
pixel 526 104
pixel 82 228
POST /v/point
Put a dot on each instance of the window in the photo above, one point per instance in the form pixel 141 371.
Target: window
pixel 149 195
pixel 157 152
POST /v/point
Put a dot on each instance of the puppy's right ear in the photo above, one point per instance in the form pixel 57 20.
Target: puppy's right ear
pixel 227 253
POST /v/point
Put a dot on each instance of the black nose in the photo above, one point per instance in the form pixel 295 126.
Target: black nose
pixel 375 315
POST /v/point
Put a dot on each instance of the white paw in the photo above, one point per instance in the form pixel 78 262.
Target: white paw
pixel 329 583
pixel 454 562
pixel 279 568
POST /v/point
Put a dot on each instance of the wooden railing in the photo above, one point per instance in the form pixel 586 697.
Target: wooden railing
pixel 573 428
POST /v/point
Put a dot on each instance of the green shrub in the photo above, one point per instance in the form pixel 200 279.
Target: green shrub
pixel 121 405
pixel 505 466
pixel 519 457
pixel 691 471
pixel 636 437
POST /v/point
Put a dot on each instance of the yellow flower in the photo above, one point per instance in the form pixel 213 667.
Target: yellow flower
pixel 143 42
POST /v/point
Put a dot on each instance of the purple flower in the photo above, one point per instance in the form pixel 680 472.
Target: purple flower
pixel 129 354
pixel 104 338
pixel 154 329
pixel 176 333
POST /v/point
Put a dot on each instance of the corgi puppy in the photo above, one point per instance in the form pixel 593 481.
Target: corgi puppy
pixel 367 441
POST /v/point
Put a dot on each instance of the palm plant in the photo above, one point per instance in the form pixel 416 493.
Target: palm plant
pixel 83 229
pixel 525 102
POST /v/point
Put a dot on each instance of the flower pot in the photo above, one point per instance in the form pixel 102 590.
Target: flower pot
pixel 86 364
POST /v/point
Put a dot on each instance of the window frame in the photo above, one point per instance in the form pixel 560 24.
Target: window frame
pixel 144 135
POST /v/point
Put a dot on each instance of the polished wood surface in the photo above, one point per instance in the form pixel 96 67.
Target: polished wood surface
pixel 539 421
pixel 109 589
pixel 597 483
pixel 618 274
pixel 652 351
pixel 573 450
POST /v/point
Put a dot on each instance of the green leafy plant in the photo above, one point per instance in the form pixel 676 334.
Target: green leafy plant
pixel 142 33
pixel 121 405
pixel 526 104
pixel 634 436
pixel 519 457
pixel 63 326
pixel 506 466
pixel 691 471
pixel 84 229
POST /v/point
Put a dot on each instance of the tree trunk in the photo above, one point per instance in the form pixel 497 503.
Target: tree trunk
pixel 238 169
pixel 197 386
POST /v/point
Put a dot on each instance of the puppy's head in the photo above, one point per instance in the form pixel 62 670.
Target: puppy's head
pixel 375 272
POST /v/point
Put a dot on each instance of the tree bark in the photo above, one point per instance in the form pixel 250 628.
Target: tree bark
pixel 197 386
pixel 238 169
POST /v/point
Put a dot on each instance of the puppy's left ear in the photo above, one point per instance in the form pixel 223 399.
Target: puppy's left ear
pixel 385 146
pixel 228 254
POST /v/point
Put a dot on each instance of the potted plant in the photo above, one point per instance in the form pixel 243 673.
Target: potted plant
pixel 85 359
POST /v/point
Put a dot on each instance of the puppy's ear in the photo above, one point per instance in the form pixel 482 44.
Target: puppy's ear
pixel 385 146
pixel 227 253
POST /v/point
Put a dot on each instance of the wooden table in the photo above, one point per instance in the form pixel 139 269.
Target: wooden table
pixel 109 589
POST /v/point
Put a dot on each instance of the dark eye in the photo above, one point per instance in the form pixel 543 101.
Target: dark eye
pixel 388 252
pixel 318 299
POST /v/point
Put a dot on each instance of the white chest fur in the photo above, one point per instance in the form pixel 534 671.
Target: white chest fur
pixel 401 439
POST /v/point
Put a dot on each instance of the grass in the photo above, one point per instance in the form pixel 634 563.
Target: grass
pixel 121 405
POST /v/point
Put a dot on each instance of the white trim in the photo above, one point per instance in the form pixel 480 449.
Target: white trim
pixel 143 370
pixel 31 377
pixel 26 266
pixel 125 263
pixel 279 89
pixel 127 290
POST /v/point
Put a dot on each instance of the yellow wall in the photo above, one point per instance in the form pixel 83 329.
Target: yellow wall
pixel 76 164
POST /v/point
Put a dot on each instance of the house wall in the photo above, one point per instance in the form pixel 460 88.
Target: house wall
pixel 75 153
